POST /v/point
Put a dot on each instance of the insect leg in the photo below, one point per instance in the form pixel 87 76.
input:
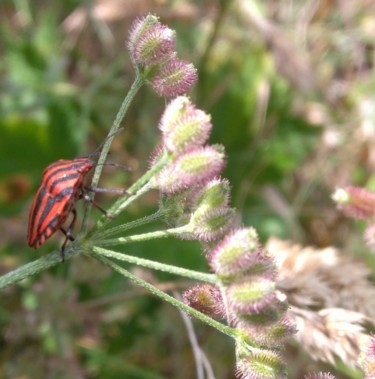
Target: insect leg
pixel 109 190
pixel 87 197
pixel 68 233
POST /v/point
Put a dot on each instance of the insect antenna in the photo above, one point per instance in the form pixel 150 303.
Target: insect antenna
pixel 97 151
pixel 126 168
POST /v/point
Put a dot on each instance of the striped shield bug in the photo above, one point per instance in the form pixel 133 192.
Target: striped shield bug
pixel 62 185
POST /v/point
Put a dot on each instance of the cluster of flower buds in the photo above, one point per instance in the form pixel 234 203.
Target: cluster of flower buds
pixel 246 295
pixel 194 170
pixel 152 47
pixel 358 203
pixel 253 305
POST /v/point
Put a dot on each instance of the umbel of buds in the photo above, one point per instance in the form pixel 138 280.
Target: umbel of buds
pixel 247 295
pixel 152 47
pixel 193 171
pixel 250 302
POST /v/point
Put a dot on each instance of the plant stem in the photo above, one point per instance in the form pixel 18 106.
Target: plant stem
pixel 201 276
pixel 35 267
pixel 143 237
pixel 137 84
pixel 141 186
pixel 129 225
pixel 169 299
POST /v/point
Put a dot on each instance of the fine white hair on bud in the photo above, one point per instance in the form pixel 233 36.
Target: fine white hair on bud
pixel 260 363
pixel 274 334
pixel 251 296
pixel 237 252
pixel 177 108
pixel 174 78
pixel 184 126
pixel 191 168
pixel 151 43
pixel 209 224
pixel 214 193
pixel 206 298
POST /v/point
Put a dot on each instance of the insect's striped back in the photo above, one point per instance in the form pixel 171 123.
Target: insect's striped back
pixel 59 189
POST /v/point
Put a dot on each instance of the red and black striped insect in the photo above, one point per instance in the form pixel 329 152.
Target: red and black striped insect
pixel 61 187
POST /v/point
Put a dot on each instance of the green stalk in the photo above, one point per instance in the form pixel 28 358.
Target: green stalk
pixel 169 299
pixel 137 84
pixel 141 186
pixel 129 225
pixel 195 275
pixel 32 268
pixel 143 237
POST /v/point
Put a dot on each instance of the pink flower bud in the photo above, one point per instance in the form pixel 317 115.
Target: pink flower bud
pixel 240 248
pixel 191 168
pixel 260 363
pixel 355 202
pixel 174 78
pixel 267 316
pixel 177 108
pixel 205 298
pixel 251 296
pixel 209 224
pixel 213 194
pixel 184 127
pixel 151 43
pixel 271 335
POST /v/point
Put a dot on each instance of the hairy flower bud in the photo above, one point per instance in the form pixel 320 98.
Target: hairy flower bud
pixel 270 335
pixel 151 43
pixel 175 208
pixel 214 194
pixel 138 28
pixel 355 202
pixel 209 224
pixel 176 109
pixel 205 298
pixel 174 78
pixel 266 316
pixel 251 296
pixel 191 130
pixel 191 168
pixel 259 363
pixel 238 250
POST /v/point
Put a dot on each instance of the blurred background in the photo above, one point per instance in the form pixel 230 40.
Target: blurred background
pixel 290 87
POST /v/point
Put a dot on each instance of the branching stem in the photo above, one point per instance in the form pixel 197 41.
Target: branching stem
pixel 194 275
pixel 169 299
